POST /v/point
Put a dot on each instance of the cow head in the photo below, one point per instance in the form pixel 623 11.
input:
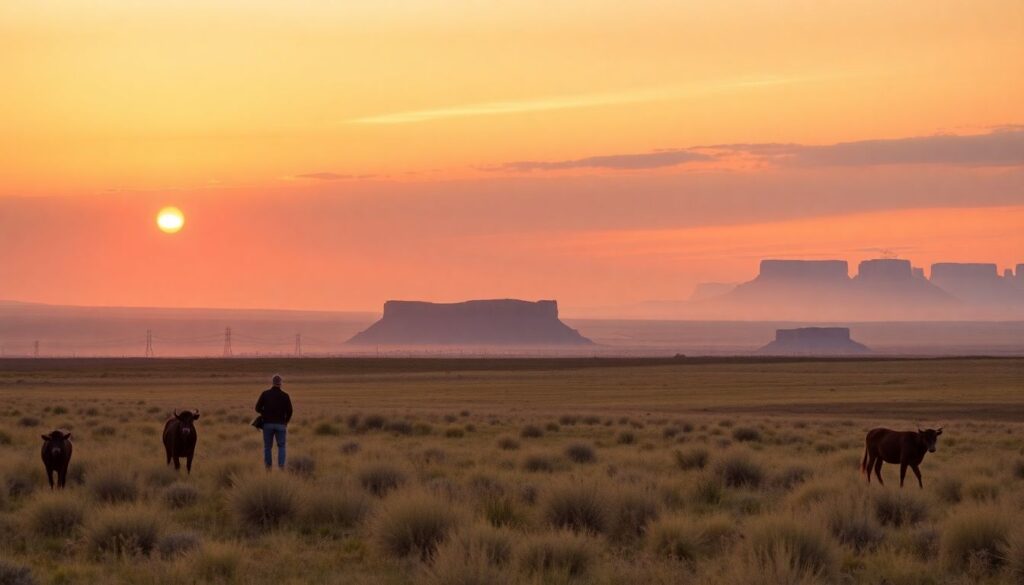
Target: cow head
pixel 930 437
pixel 186 421
pixel 54 443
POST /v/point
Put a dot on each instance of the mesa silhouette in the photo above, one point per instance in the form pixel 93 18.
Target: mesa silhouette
pixel 814 341
pixel 504 322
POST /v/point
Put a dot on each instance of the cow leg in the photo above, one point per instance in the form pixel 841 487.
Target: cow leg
pixel 177 463
pixel 188 464
pixel 49 476
pixel 917 472
pixel 903 473
pixel 878 470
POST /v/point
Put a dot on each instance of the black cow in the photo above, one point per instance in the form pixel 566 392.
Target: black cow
pixel 180 438
pixel 57 456
pixel 906 448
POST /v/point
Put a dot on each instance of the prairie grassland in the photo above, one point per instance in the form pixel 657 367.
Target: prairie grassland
pixel 522 471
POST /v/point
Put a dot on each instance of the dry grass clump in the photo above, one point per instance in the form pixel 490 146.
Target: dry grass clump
pixel 264 501
pixel 579 507
pixel 791 547
pixel 694 458
pixel 899 508
pixel 975 539
pixel 581 453
pixel 477 556
pixel 541 462
pixel 530 432
pixel 507 443
pixel 373 422
pixel 13 574
pixel 949 489
pixel 379 478
pixel 981 490
pixel 332 511
pixel 631 510
pixel 690 539
pixel 123 532
pixel 746 434
pixel 112 485
pixel 557 557
pixel 56 515
pixel 180 495
pixel 851 521
pixel 626 438
pixel 455 432
pixel 326 429
pixel 739 470
pixel 414 525
pixel 219 563
pixel 302 466
pixel 177 544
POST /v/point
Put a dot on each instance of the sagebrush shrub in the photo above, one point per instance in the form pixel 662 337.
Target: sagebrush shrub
pixel 219 562
pixel 181 495
pixel 326 429
pixel 851 522
pixel 112 485
pixel 177 544
pixel 626 438
pixel 899 508
pixel 690 539
pixel 631 510
pixel 302 466
pixel 811 551
pixel 12 574
pixel 540 462
pixel 507 443
pixel 746 434
pixel 333 511
pixel 531 432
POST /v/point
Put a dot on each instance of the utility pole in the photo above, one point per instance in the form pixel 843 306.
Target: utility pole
pixel 35 348
pixel 227 342
pixel 298 344
pixel 149 343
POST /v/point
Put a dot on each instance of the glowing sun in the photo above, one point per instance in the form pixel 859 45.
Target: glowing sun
pixel 170 220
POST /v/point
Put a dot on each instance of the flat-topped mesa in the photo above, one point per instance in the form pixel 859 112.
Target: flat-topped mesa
pixel 885 269
pixel 813 341
pixel 978 283
pixel 816 270
pixel 506 322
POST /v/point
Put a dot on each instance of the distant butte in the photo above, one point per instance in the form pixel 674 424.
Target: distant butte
pixel 814 341
pixel 504 322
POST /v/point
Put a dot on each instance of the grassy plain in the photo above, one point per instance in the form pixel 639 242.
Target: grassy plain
pixel 516 471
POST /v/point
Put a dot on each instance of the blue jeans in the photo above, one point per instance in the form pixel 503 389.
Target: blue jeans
pixel 270 432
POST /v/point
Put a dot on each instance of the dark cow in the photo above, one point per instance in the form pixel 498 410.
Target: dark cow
pixel 906 448
pixel 57 456
pixel 180 438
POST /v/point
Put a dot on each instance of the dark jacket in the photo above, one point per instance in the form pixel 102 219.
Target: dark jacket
pixel 275 406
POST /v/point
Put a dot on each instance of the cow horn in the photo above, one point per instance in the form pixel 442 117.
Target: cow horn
pixel 175 413
pixel 195 412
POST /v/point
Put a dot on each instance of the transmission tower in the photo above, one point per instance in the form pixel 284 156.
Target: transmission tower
pixel 35 348
pixel 298 344
pixel 149 343
pixel 227 342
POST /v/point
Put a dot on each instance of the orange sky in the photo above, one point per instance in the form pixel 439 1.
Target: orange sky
pixel 334 155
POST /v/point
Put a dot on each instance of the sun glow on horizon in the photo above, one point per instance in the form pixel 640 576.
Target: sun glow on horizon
pixel 170 220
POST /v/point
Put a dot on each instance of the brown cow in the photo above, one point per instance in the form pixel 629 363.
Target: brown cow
pixel 906 448
pixel 57 456
pixel 180 438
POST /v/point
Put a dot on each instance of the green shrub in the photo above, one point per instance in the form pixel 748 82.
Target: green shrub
pixel 580 507
pixel 56 515
pixel 581 453
pixel 737 470
pixel 695 458
pixel 557 557
pixel 413 525
pixel 123 532
pixel 264 501
pixel 380 478
pixel 976 539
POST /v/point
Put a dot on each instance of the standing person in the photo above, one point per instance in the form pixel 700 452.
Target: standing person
pixel 275 406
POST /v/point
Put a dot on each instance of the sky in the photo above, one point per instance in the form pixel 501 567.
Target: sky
pixel 333 155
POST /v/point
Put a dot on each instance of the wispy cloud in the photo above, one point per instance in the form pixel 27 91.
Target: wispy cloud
pixel 573 101
pixel 1001 147
pixel 649 160
pixel 328 176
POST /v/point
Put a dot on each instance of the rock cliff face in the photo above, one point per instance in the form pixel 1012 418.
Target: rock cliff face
pixel 480 323
pixel 813 341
